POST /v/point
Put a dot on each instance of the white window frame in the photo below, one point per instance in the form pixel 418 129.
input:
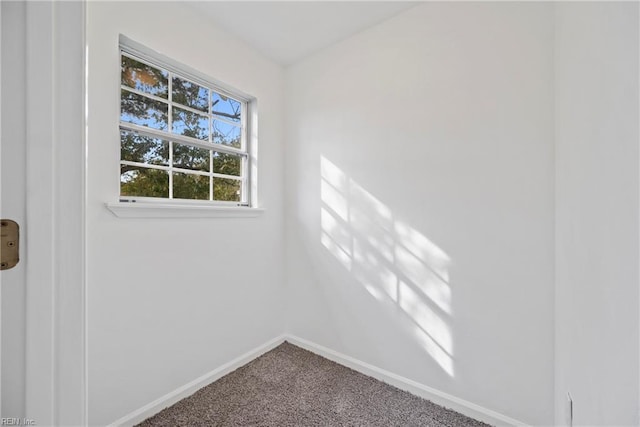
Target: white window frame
pixel 137 206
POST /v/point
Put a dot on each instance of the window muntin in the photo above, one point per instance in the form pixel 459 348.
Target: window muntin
pixel 180 140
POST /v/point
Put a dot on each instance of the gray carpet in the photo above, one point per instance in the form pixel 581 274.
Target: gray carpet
pixel 289 386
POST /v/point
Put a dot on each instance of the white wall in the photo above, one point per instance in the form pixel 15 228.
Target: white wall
pixel 596 68
pixel 170 300
pixel 421 209
pixel 420 201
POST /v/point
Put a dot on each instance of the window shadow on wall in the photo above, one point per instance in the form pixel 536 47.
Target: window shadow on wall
pixel 391 260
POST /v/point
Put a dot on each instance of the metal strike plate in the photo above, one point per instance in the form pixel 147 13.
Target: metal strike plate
pixel 9 244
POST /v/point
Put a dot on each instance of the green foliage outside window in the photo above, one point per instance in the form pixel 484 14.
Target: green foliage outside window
pixel 141 109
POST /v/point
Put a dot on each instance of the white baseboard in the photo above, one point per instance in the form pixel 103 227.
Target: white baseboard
pixel 436 396
pixel 180 393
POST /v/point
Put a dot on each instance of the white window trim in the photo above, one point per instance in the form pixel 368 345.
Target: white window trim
pixel 141 207
pixel 180 210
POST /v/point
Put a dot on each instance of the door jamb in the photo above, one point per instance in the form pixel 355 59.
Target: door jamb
pixel 56 375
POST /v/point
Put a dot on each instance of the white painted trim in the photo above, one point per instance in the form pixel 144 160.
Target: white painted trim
pixel 158 210
pixel 1 414
pixel 188 389
pixel 70 393
pixel 40 209
pixel 436 396
pixel 55 383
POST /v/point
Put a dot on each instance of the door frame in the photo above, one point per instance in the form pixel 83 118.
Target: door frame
pixel 56 353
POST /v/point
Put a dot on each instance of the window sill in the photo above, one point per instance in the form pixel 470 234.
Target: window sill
pixel 157 210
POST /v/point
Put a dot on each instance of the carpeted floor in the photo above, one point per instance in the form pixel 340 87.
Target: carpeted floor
pixel 289 386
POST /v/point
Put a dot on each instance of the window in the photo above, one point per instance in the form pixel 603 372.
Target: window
pixel 182 138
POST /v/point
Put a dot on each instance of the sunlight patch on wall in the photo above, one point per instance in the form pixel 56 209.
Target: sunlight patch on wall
pixel 390 259
pixel 334 198
pixel 430 283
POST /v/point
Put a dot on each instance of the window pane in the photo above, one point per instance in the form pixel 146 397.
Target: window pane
pixel 143 149
pixel 226 107
pixel 226 189
pixel 190 124
pixel 225 133
pixel 190 94
pixel 143 182
pixel 144 77
pixel 143 111
pixel 227 164
pixel 193 158
pixel 193 187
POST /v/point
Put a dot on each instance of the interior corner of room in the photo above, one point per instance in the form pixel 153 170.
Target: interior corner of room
pixel 442 196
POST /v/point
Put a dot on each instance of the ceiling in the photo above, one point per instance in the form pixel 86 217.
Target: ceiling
pixel 287 31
